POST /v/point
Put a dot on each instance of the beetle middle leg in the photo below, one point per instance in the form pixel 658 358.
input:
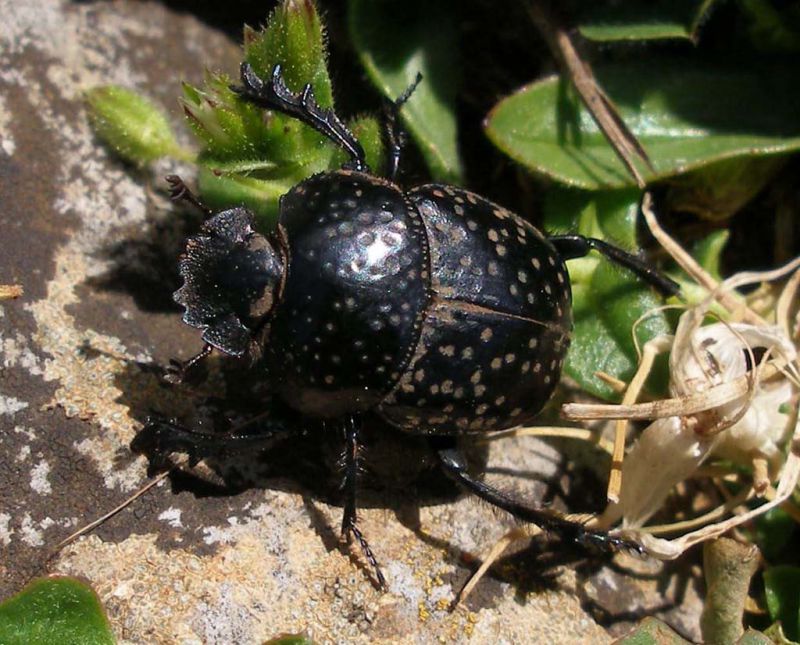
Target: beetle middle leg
pixel 395 136
pixel 454 464
pixel 351 465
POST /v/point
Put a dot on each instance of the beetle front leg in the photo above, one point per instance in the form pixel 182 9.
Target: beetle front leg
pixel 454 464
pixel 350 488
pixel 159 438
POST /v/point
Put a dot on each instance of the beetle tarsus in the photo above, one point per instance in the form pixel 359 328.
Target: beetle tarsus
pixel 160 437
pixel 274 95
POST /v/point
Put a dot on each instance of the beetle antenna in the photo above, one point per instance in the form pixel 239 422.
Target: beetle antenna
pixel 274 95
pixel 395 136
pixel 179 191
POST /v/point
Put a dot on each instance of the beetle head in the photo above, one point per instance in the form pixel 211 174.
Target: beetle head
pixel 231 277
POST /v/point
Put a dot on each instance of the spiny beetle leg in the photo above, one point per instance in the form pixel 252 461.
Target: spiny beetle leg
pixel 350 488
pixel 160 437
pixel 274 95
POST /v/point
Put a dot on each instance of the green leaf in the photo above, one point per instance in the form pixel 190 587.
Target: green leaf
pixel 131 124
pixel 253 157
pixel 290 639
pixel 229 128
pixel 368 132
pixel 773 532
pixel 607 300
pixel 234 129
pixel 54 610
pixel 708 252
pixel 782 586
pixel 686 114
pixel 221 190
pixel 721 189
pixel 652 631
pixel 665 19
pixel 773 27
pixel 396 39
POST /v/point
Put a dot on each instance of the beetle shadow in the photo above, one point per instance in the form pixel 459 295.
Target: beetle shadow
pixel 400 471
pixel 143 260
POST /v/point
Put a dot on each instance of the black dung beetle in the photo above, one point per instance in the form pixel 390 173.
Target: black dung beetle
pixel 434 308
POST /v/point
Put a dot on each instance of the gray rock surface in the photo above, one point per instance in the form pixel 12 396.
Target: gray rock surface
pixel 94 244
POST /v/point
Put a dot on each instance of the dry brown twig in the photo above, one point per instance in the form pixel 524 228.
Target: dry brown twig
pixel 106 516
pixel 10 291
pixel 696 413
pixel 603 111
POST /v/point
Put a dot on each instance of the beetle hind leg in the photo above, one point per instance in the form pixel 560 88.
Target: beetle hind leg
pixel 454 464
pixel 577 246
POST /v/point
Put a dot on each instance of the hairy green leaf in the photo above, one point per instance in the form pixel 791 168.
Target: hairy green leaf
pixel 132 125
